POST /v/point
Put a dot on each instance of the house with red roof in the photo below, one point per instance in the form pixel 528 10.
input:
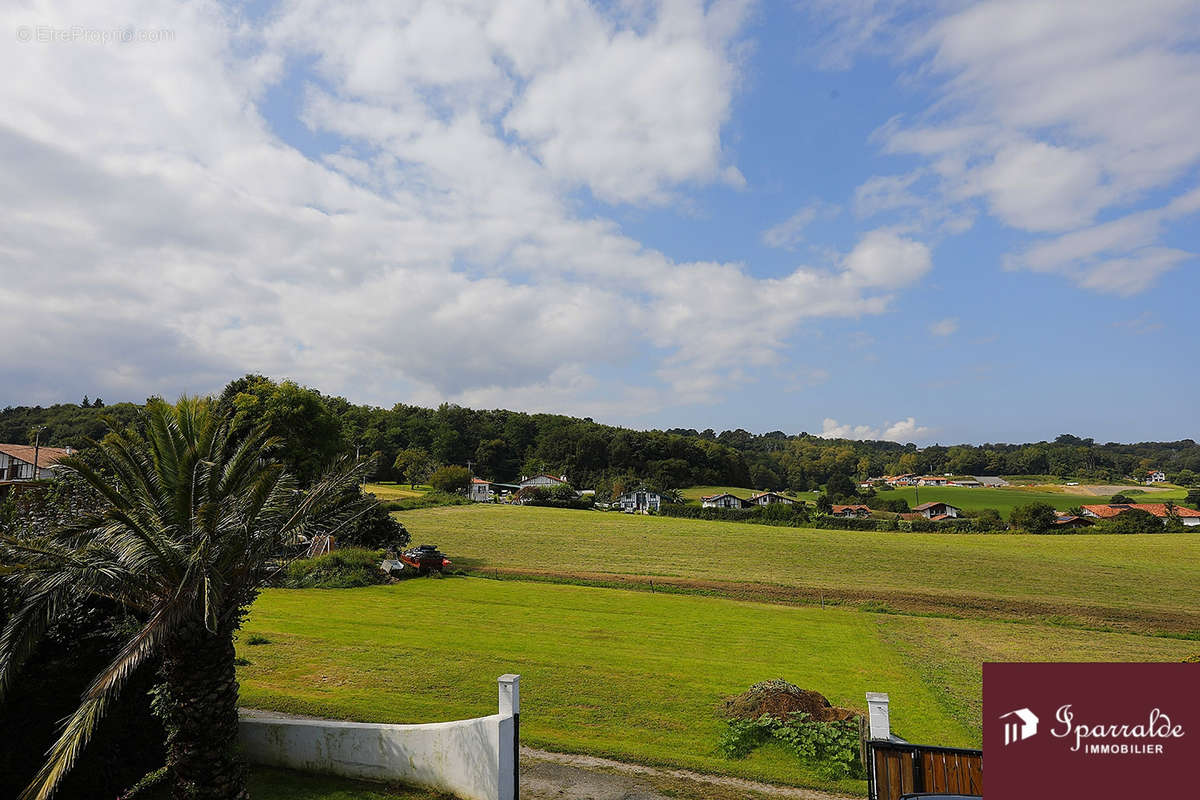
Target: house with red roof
pixel 17 461
pixel 860 511
pixel 1188 516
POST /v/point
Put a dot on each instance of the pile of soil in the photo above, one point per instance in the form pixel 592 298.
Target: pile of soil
pixel 778 699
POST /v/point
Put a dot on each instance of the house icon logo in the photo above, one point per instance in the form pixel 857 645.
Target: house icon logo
pixel 1024 726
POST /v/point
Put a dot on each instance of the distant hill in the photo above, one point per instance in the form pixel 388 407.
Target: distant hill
pixel 503 445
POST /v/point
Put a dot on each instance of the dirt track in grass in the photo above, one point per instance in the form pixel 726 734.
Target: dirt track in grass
pixel 902 602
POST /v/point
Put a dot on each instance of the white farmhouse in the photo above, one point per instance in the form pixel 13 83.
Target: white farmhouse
pixel 639 501
pixel 17 461
pixel 723 500
pixel 1156 476
pixel 542 480
pixel 481 490
pixel 769 498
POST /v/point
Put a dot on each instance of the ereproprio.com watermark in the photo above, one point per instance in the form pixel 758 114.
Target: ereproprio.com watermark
pixel 83 34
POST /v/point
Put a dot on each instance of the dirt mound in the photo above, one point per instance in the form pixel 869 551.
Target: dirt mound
pixel 778 698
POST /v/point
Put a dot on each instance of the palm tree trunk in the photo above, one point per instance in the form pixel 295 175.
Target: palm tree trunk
pixel 202 716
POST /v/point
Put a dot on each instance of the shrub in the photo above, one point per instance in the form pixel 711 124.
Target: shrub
pixel 375 529
pixel 832 747
pixel 341 569
pixel 1135 520
pixel 896 505
pixel 1119 498
pixel 1034 518
pixel 451 479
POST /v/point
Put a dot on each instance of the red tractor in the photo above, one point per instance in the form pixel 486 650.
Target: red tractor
pixel 425 560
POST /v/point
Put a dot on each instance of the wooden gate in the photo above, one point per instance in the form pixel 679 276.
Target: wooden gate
pixel 895 769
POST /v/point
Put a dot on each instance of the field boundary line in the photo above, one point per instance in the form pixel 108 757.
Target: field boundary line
pixel 1141 622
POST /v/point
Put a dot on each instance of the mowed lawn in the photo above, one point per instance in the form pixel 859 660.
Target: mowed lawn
pixel 631 675
pixel 1149 582
pixel 395 491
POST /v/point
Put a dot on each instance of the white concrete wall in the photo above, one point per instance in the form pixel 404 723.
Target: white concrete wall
pixel 473 759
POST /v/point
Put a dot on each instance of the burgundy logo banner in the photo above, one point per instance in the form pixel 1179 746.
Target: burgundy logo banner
pixel 1094 731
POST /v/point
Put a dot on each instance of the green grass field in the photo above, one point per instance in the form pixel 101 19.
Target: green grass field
pixel 1134 582
pixel 631 675
pixel 395 491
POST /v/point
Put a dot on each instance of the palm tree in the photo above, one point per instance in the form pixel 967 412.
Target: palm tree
pixel 186 521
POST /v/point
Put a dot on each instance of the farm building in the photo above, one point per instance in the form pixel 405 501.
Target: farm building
pixel 638 501
pixel 723 500
pixel 851 511
pixel 542 480
pixel 969 483
pixel 481 490
pixel 1188 516
pixel 17 461
pixel 1156 476
pixel 1072 521
pixel 932 480
pixel 768 498
pixel 937 511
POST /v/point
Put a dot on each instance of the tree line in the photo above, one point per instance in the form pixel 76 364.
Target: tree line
pixel 409 442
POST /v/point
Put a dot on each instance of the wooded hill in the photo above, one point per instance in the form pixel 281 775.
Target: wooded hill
pixel 504 445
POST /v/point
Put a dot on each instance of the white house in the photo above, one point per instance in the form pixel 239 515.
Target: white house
pixel 542 480
pixel 767 498
pixel 931 480
pixel 639 501
pixel 16 461
pixel 937 511
pixel 724 500
pixel 480 491
pixel 1156 476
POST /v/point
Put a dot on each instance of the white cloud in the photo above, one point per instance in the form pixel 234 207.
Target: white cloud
pixel 905 430
pixel 1049 115
pixel 789 233
pixel 884 258
pixel 418 235
pixel 944 327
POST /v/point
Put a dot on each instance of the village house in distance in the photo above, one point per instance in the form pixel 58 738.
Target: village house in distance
pixel 21 462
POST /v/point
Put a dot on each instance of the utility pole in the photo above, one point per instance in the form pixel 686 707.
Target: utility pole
pixel 37 443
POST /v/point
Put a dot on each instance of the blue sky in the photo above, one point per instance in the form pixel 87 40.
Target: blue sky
pixel 925 222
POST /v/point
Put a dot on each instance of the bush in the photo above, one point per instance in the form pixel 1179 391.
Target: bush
pixel 832 747
pixel 1119 498
pixel 1034 518
pixel 897 505
pixel 451 479
pixel 1135 520
pixel 375 529
pixel 341 569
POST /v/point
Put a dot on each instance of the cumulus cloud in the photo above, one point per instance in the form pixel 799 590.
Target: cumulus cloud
pixel 410 228
pixel 944 327
pixel 1048 115
pixel 905 430
pixel 886 259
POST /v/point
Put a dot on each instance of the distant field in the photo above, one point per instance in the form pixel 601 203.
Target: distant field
pixel 631 675
pixel 1137 582
pixel 395 491
pixel 1003 499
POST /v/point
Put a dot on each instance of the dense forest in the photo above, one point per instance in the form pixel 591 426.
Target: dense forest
pixel 408 442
